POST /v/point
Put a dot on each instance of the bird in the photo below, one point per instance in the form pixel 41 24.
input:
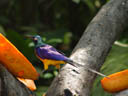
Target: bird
pixel 51 56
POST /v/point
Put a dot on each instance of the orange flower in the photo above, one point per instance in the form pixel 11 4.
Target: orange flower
pixel 15 61
pixel 28 83
pixel 115 82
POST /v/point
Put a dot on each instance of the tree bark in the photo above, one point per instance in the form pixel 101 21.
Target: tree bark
pixel 91 50
pixel 28 12
pixel 10 86
pixel 122 93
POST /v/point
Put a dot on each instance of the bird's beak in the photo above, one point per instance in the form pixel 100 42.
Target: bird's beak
pixel 29 36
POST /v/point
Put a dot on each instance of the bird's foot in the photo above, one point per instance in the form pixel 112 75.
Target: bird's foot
pixel 42 71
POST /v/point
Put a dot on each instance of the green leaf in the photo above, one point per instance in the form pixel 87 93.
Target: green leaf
pixel 55 73
pixel 76 1
pixel 90 4
pixel 2 30
pixel 67 37
pixel 48 75
pixel 41 90
pixel 54 40
pixel 116 61
pixel 21 43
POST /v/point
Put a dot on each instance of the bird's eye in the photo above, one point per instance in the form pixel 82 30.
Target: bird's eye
pixel 35 39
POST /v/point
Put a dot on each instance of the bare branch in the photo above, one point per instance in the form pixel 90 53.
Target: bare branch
pixel 10 86
pixel 122 93
pixel 91 50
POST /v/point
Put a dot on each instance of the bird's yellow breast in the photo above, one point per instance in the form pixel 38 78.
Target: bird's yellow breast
pixel 48 62
pixel 52 62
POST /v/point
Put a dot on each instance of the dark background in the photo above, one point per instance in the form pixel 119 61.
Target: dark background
pixel 60 23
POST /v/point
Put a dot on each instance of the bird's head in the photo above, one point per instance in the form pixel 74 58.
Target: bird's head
pixel 36 39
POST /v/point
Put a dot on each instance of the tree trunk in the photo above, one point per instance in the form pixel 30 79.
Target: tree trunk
pixel 28 12
pixel 10 86
pixel 91 50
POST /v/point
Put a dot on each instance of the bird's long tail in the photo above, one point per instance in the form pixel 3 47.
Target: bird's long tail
pixel 87 68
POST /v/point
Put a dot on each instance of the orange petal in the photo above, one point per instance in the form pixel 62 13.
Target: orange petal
pixel 15 61
pixel 28 82
pixel 115 82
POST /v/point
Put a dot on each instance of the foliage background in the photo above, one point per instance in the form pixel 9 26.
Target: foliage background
pixel 61 24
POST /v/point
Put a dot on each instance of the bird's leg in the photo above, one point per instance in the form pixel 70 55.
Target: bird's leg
pixel 45 66
pixel 58 66
pixel 43 71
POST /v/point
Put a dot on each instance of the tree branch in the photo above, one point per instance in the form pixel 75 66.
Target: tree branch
pixel 122 93
pixel 10 86
pixel 91 50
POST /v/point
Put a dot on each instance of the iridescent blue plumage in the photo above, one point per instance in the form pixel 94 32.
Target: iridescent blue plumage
pixel 48 52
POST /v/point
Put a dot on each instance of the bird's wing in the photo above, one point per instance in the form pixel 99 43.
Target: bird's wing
pixel 49 52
